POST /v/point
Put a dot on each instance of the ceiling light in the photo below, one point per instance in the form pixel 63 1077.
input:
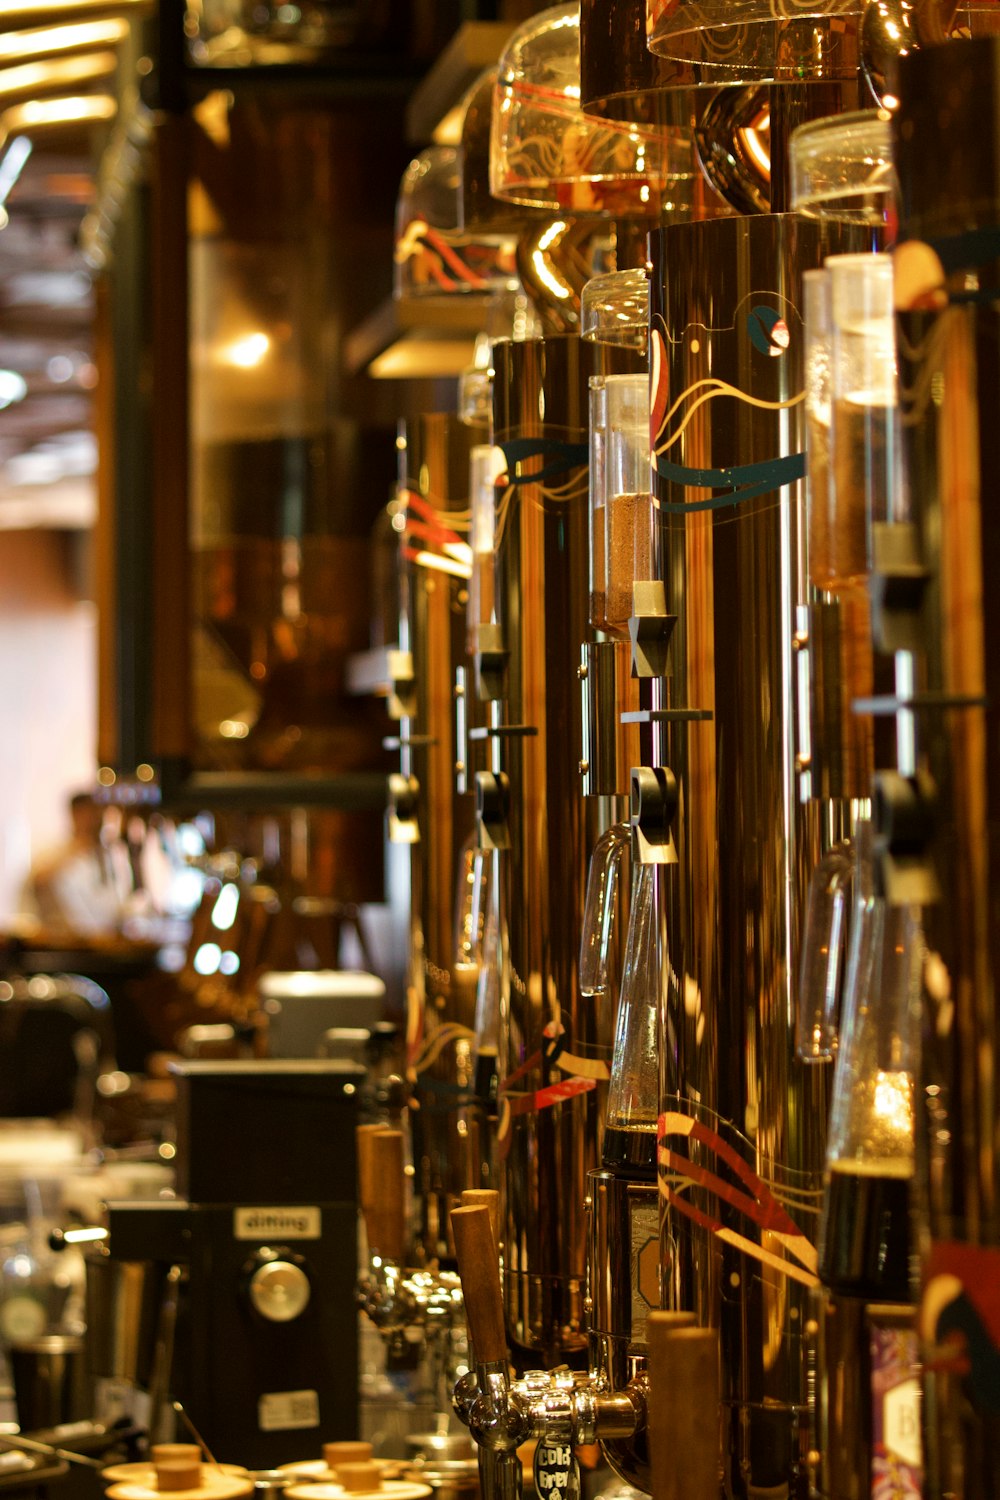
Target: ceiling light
pixel 13 387
pixel 40 114
pixel 28 78
pixel 43 41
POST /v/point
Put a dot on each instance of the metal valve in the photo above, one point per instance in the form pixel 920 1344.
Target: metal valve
pixel 904 816
pixel 492 809
pixel 650 628
pixel 491 661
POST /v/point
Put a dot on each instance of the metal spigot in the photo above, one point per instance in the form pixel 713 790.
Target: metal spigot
pixel 561 1409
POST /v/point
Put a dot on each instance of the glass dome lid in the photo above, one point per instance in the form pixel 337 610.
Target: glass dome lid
pixel 545 151
pixel 433 257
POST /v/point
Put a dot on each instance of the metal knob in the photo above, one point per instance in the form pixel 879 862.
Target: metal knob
pixel 279 1291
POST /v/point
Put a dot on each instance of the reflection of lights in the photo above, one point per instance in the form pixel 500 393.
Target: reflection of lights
pixel 71 110
pixel 13 387
pixel 547 276
pixel 461 552
pixel 46 75
pixel 12 165
pixel 893 1101
pixel 42 41
pixel 207 959
pixel 234 729
pixel 246 353
pixel 224 910
pixel 758 152
pixel 229 963
pixel 551 234
pixel 444 564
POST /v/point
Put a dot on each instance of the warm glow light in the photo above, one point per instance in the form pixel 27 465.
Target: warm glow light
pixel 443 564
pixel 23 12
pixel 56 73
pixel 461 552
pixel 894 1101
pixel 246 353
pixel 39 113
pixel 759 152
pixel 43 41
pixel 13 387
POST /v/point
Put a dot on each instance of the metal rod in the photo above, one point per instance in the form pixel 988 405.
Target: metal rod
pixel 32 1445
pixel 192 1429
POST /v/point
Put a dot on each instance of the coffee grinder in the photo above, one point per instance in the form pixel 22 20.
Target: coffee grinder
pixel 263 1235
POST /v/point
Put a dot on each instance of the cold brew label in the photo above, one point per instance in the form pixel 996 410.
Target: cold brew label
pixel 897 1454
pixel 644 1232
pixel 262 1224
pixel 556 1476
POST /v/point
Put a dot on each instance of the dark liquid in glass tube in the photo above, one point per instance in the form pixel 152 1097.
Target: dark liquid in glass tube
pixel 630 1149
pixel 866 1231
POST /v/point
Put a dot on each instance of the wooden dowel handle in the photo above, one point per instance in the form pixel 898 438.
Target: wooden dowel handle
pixel 479 1269
pixel 366 1165
pixel 683 1409
pixel 387 1211
pixel 487 1198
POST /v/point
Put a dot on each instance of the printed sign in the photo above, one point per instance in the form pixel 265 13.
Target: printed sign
pixel 277 1224
pixel 283 1411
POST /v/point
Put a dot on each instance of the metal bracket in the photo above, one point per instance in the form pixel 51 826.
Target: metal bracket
pixel 650 628
pixel 492 809
pixel 904 815
pixel 898 581
pixel 401 814
pixel 491 661
pixel 654 803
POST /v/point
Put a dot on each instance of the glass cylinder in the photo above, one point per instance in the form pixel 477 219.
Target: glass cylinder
pixel 600 906
pixel 628 514
pixel 824 944
pixel 598 497
pixel 614 309
pixel 864 432
pixel 432 256
pixel 841 168
pixel 864 1237
pixel 630 1132
pixel 818 338
pixel 486 464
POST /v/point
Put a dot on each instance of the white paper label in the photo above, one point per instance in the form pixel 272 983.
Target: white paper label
pixel 277 1223
pixel 282 1411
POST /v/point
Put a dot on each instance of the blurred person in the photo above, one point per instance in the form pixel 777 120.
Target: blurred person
pixel 84 888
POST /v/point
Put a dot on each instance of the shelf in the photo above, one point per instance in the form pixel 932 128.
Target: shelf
pixel 475 46
pixel 419 337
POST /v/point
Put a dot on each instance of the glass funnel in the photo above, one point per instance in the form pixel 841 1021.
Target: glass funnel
pixel 598 949
pixel 630 1131
pixel 615 309
pixel 824 948
pixel 864 1239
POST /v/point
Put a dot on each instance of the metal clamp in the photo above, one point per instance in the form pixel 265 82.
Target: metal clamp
pixel 492 809
pixel 653 806
pixel 402 702
pixel 904 814
pixel 401 814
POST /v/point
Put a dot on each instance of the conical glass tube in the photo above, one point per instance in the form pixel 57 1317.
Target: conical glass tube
pixel 630 1132
pixel 864 1239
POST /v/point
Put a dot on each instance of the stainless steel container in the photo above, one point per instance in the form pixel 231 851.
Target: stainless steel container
pixel 742 1122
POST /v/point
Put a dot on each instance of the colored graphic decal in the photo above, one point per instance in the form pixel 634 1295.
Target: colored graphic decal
pixel 680 1174
pixel 769 332
pixel 959 1319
